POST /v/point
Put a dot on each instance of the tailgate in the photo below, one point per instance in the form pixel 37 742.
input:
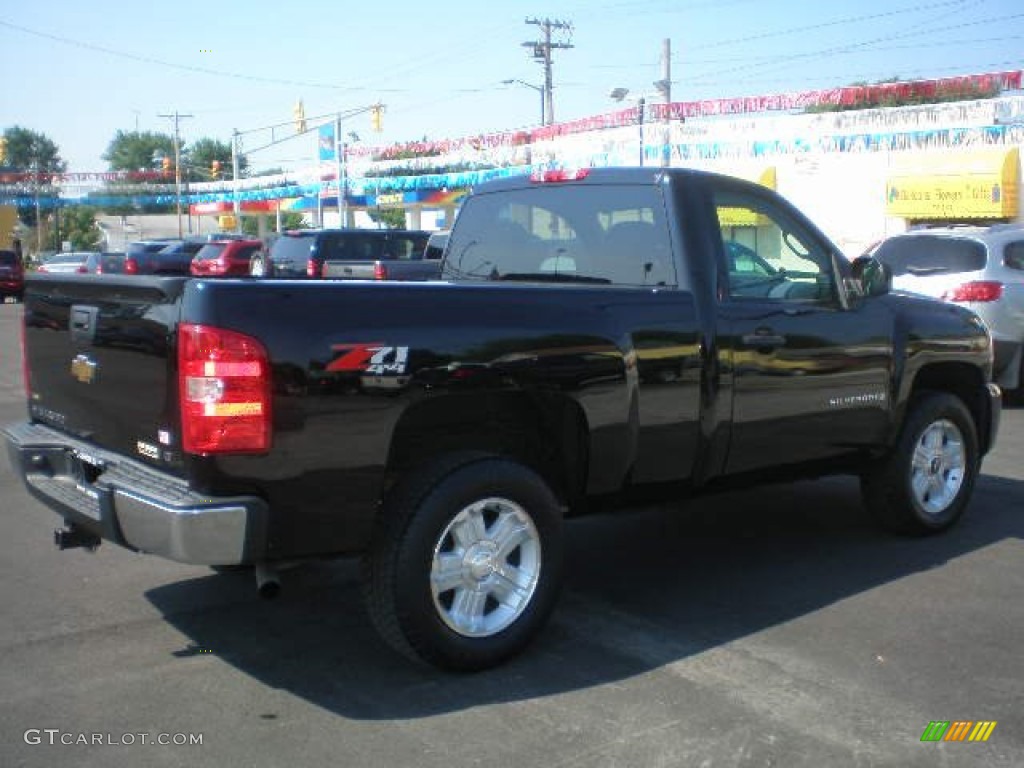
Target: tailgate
pixel 350 270
pixel 101 366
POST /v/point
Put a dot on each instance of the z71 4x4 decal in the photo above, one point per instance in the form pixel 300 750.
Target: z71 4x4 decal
pixel 373 358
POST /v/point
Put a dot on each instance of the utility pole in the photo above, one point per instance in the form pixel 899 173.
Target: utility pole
pixel 665 88
pixel 236 205
pixel 177 163
pixel 542 54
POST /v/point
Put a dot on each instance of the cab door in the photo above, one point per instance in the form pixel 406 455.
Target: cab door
pixel 809 373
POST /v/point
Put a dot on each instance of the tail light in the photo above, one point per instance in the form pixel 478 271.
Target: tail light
pixel 559 174
pixel 131 266
pixel 976 290
pixel 42 268
pixel 380 271
pixel 224 391
pixel 314 268
pixel 82 270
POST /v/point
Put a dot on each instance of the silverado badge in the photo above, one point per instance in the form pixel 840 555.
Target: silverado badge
pixel 83 369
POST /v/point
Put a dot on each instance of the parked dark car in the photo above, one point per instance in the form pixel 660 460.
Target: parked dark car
pixel 12 275
pixel 161 257
pixel 353 254
pixel 225 258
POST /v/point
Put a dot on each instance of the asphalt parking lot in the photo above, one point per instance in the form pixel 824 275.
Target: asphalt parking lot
pixel 772 627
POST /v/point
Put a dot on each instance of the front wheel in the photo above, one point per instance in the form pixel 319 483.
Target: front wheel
pixel 465 563
pixel 925 482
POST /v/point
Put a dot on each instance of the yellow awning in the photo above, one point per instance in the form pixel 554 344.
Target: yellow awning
pixel 969 184
pixel 743 217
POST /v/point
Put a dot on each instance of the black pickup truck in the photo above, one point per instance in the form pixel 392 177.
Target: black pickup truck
pixel 598 337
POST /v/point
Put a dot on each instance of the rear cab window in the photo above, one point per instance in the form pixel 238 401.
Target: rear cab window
pixel 612 235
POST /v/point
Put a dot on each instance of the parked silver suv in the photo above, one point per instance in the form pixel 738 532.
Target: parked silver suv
pixel 981 268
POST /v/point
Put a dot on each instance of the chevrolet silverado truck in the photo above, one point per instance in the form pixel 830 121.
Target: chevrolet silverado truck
pixel 597 338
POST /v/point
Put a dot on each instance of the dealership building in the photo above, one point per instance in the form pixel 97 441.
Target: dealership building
pixel 860 172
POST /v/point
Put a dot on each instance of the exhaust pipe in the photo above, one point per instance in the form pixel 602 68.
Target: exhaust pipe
pixel 268 583
pixel 74 537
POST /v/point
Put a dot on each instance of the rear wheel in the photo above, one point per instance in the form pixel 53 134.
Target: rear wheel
pixel 465 563
pixel 925 482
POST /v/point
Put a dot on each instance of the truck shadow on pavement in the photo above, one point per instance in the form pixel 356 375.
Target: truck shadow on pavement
pixel 641 591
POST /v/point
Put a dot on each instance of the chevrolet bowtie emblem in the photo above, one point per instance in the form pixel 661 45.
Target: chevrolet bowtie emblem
pixel 83 369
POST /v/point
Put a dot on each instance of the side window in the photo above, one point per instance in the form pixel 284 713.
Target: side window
pixel 769 255
pixel 1013 256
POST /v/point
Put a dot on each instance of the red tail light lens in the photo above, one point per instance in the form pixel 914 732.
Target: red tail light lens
pixel 380 271
pixel 314 268
pixel 224 391
pixel 131 267
pixel 82 270
pixel 977 290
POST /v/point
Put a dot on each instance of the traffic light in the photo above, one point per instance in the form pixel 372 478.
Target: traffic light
pixel 299 112
pixel 167 165
pixel 215 169
pixel 377 118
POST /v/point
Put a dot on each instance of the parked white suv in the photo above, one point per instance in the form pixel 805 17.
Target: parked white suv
pixel 981 268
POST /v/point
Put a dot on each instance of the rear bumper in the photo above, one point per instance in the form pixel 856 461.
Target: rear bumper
pixel 131 504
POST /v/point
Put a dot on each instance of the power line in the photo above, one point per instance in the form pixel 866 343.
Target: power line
pixel 181 67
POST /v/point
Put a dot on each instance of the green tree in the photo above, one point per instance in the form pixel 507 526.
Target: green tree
pixel 392 218
pixel 28 150
pixel 138 150
pixel 201 155
pixel 77 225
pixel 289 220
pixel 31 152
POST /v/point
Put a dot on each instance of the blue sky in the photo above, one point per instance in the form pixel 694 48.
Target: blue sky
pixel 80 70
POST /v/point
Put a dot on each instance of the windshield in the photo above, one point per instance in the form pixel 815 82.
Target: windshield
pixel 8 259
pixel 291 248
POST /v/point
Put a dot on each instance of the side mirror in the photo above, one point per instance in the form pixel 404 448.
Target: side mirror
pixel 873 277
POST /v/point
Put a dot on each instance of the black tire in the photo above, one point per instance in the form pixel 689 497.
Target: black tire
pixel 417 531
pixel 926 496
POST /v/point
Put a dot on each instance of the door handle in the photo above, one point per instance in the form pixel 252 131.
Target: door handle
pixel 763 338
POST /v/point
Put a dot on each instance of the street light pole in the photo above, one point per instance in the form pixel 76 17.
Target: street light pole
pixel 539 89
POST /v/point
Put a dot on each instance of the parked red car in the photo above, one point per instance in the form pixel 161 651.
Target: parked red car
pixel 12 275
pixel 222 258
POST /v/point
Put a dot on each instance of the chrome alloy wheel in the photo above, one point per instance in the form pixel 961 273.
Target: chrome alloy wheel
pixel 486 567
pixel 938 467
